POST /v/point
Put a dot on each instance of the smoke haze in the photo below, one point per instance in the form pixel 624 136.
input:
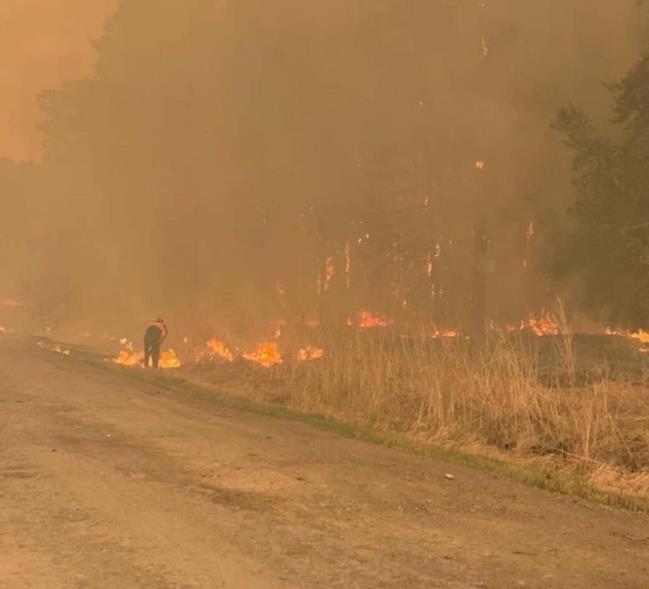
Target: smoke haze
pixel 43 43
pixel 218 157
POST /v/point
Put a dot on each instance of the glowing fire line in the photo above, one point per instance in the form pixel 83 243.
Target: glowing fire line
pixel 129 357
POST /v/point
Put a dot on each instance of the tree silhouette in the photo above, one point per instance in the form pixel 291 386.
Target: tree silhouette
pixel 607 246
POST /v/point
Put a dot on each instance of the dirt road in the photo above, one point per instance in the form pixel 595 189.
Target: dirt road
pixel 109 482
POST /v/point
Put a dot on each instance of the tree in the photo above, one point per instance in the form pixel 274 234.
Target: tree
pixel 607 244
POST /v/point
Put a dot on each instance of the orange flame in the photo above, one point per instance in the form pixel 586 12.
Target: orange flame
pixel 641 335
pixel 129 357
pixel 543 326
pixel 219 350
pixel 266 355
pixel 369 320
pixel 169 359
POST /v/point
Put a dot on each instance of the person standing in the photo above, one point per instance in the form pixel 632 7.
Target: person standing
pixel 156 333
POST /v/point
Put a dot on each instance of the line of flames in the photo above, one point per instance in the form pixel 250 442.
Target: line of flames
pixel 640 336
pixel 268 354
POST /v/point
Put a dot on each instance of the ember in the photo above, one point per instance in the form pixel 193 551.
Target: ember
pixel 310 353
pixel 444 333
pixel 531 231
pixel 56 348
pixel 59 350
pixel 330 272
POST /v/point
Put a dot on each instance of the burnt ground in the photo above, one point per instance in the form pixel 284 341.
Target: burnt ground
pixel 112 481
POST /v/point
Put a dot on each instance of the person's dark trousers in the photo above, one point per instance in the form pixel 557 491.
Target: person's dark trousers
pixel 151 353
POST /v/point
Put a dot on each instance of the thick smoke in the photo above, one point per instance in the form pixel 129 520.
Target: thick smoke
pixel 222 153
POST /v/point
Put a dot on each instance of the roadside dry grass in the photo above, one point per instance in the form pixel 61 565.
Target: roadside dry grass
pixel 509 398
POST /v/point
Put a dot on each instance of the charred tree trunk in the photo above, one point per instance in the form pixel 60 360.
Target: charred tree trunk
pixel 479 281
pixel 333 295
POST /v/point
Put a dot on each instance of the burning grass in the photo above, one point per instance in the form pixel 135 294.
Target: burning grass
pixel 516 395
pixel 129 357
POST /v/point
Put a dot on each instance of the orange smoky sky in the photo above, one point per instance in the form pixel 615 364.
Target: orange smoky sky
pixel 43 43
